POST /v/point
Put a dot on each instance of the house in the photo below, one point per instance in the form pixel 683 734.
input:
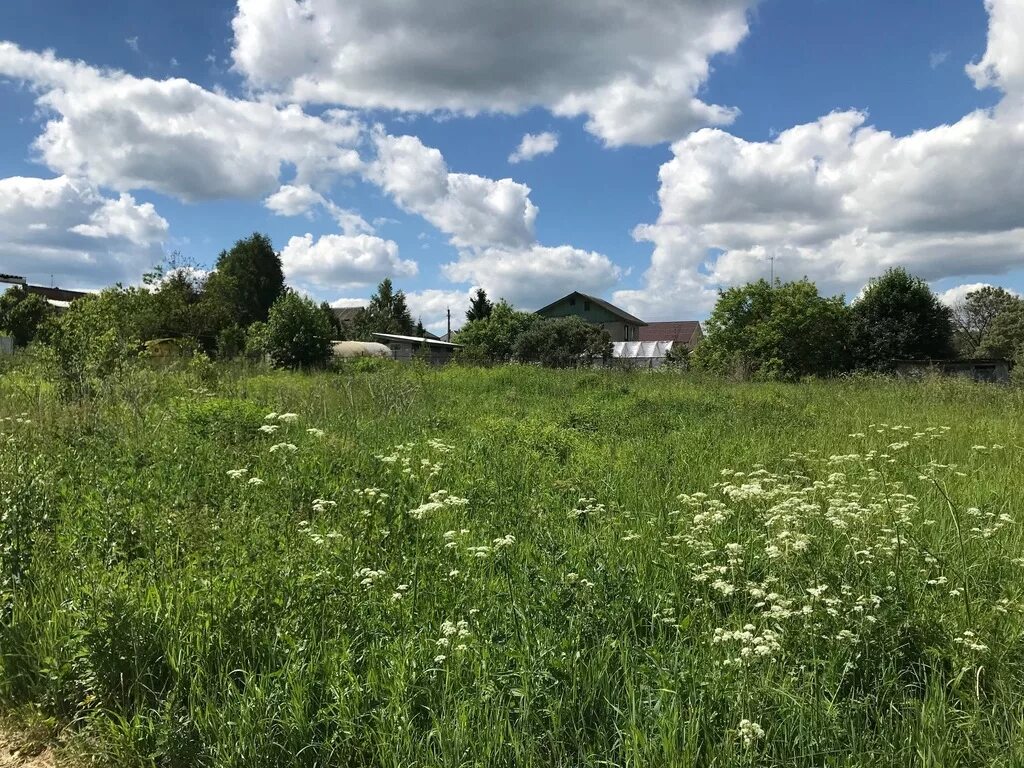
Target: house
pixel 621 325
pixel 683 332
pixel 979 369
pixel 407 348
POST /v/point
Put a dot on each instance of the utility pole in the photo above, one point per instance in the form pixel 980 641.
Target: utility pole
pixel 449 323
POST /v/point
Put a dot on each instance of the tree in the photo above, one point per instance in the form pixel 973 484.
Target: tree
pixel 563 342
pixel 337 332
pixel 23 314
pixel 247 281
pixel 480 307
pixel 899 318
pixel 387 312
pixel 1004 336
pixel 298 332
pixel 973 316
pixel 494 338
pixel 784 331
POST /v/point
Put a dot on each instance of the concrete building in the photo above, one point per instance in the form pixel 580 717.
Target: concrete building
pixel 621 325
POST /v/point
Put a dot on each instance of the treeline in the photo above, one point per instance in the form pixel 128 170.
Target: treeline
pixel 788 330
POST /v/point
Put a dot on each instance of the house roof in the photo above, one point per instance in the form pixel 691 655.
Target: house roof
pixel 417 340
pixel 55 294
pixel 346 314
pixel 676 330
pixel 632 319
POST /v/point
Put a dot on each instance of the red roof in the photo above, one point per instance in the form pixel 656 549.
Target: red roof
pixel 680 330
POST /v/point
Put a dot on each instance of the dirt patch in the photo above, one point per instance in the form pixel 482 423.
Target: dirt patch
pixel 26 749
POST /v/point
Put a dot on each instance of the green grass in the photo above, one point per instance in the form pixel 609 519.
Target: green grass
pixel 178 616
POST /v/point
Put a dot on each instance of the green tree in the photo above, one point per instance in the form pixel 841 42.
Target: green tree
pixel 563 342
pixel 480 307
pixel 784 331
pixel 973 316
pixel 1004 336
pixel 247 281
pixel 298 332
pixel 899 318
pixel 337 332
pixel 23 315
pixel 494 338
pixel 387 312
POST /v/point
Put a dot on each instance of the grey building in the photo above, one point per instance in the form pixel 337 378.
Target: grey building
pixel 408 348
pixel 621 325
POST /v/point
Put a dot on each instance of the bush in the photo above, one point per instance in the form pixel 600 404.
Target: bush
pixel 493 338
pixel 298 333
pixel 98 337
pixel 563 342
pixel 23 315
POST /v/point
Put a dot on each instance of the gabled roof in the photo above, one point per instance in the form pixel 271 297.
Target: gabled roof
pixel 346 314
pixel 677 330
pixel 631 319
pixel 55 294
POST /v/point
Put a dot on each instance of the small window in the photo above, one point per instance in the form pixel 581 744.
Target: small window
pixel 586 306
pixel 572 302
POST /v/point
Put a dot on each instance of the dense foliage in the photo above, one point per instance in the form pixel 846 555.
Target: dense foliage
pixel 563 342
pixel 480 307
pixel 898 317
pixel 248 279
pixel 494 338
pixel 769 331
pixel 22 315
pixel 299 332
pixel 975 315
pixel 515 567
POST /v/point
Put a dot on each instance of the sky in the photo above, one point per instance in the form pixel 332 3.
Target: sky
pixel 651 152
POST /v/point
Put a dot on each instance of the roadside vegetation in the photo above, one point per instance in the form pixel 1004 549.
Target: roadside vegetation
pixel 210 564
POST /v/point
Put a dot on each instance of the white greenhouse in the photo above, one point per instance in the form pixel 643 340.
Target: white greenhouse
pixel 640 354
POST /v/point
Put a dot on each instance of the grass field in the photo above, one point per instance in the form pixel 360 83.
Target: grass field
pixel 516 567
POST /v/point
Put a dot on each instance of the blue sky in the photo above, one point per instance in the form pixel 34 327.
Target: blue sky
pixel 122 173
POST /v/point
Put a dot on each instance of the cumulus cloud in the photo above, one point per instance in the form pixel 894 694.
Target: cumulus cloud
pixel 473 210
pixel 533 145
pixel 173 136
pixel 958 293
pixel 68 229
pixel 531 277
pixel 342 261
pixel 839 200
pixel 292 200
pixel 431 307
pixel 633 67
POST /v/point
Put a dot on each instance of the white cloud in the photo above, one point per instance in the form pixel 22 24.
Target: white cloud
pixel 937 58
pixel 633 67
pixel 474 211
pixel 431 307
pixel 1002 66
pixel 839 201
pixel 291 200
pixel 133 43
pixel 350 302
pixel 341 261
pixel 68 229
pixel 534 145
pixel 957 294
pixel 531 277
pixel 173 136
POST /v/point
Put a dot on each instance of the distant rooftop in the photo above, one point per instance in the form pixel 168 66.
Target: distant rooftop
pixel 417 340
pixel 677 330
pixel 631 319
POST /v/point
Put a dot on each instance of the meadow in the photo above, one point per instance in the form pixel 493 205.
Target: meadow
pixel 402 566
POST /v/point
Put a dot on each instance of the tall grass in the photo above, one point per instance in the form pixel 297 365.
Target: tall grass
pixel 515 567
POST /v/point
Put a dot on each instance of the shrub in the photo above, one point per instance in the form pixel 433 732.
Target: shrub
pixel 493 338
pixel 563 342
pixel 298 333
pixel 23 315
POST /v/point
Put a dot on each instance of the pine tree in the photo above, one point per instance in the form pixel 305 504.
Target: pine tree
pixel 387 312
pixel 480 307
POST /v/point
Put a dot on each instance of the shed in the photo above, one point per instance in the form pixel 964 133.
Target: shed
pixel 978 369
pixel 407 348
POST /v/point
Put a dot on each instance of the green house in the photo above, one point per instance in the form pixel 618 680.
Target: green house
pixel 621 325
